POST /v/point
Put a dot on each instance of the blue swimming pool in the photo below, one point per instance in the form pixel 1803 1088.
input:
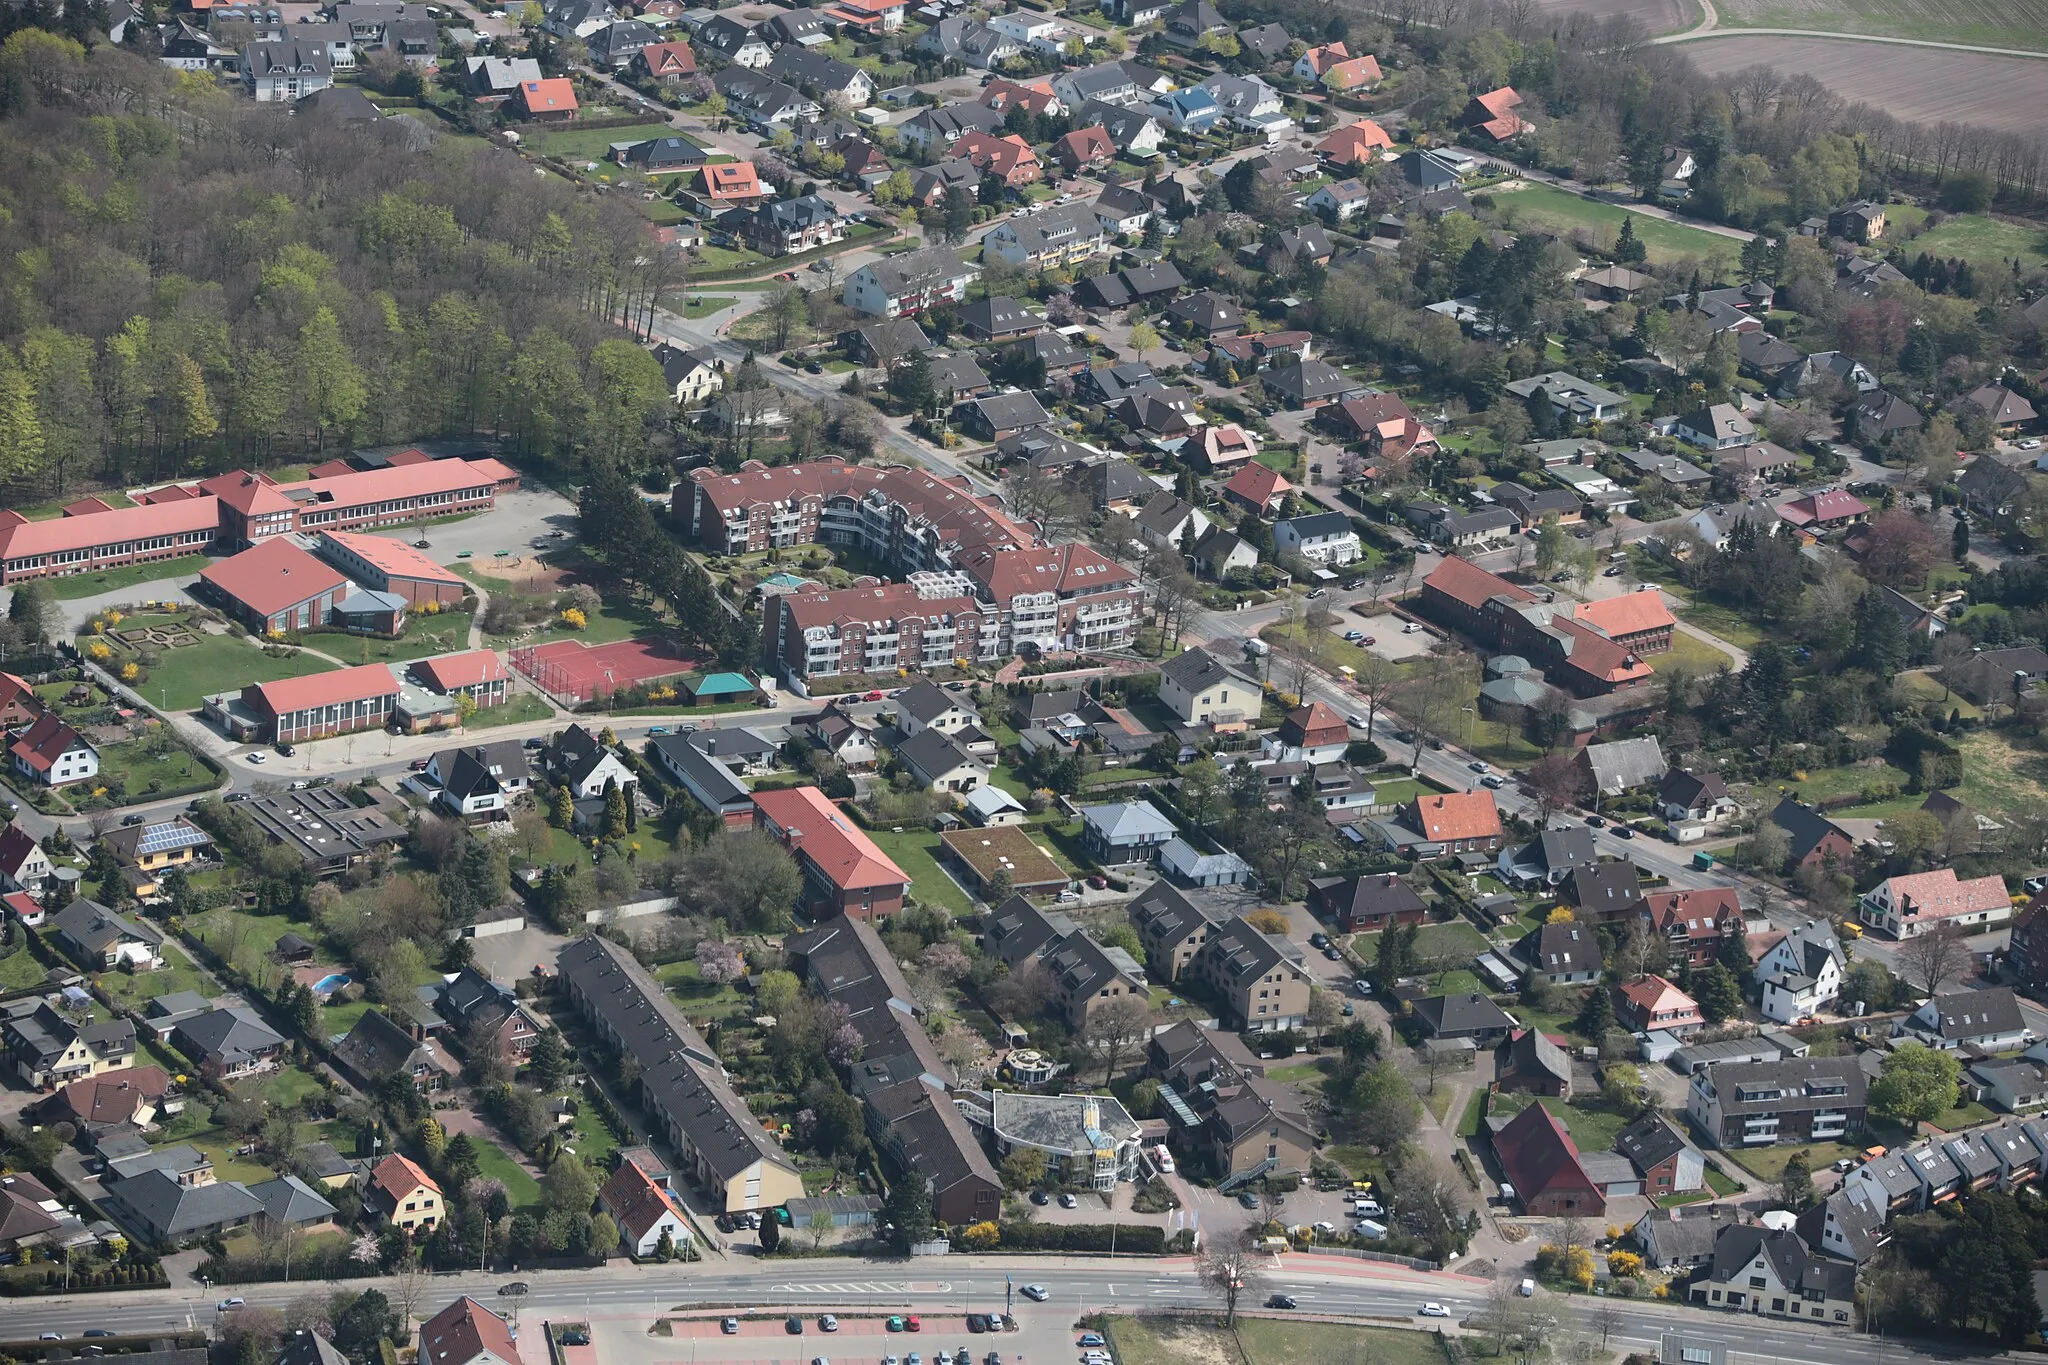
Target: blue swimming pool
pixel 329 984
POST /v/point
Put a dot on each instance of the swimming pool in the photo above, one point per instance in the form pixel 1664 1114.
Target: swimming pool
pixel 329 984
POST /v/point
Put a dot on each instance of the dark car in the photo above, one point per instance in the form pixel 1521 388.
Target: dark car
pixel 1040 1198
pixel 286 749
pixel 99 1332
pixel 793 1325
pixel 1595 821
pixel 1624 832
pixel 514 1290
pixel 536 743
pixel 1281 1301
pixel 133 819
pixel 1318 940
pixel 977 1323
pixel 1248 1199
pixel 963 1356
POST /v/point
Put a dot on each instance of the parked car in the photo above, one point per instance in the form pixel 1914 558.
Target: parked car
pixel 793 1325
pixel 418 765
pixel 729 1326
pixel 827 1323
pixel 1040 1198
pixel 1068 1201
pixel 136 819
pixel 1319 940
pixel 1248 1199
pixel 977 1323
pixel 1624 832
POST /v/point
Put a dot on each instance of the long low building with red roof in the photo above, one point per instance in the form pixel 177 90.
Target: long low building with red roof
pixel 384 564
pixel 844 872
pixel 238 509
pixel 1586 648
pixel 478 674
pixel 294 709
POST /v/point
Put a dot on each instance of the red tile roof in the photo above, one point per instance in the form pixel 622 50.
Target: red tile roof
pixel 1033 96
pixel 1458 815
pixel 1501 101
pixel 322 689
pixel 114 1096
pixel 1818 509
pixel 466 669
pixel 887 602
pixel 400 481
pixel 274 576
pixel 553 95
pixel 1357 71
pixel 1055 568
pixel 394 557
pixel 465 1330
pixel 636 1201
pixel 732 180
pixel 1940 894
pixel 108 528
pixel 1597 656
pixel 252 495
pixel 1700 912
pixel 22 905
pixel 1313 725
pixel 1471 585
pixel 826 837
pixel 1085 145
pixel 1257 484
pixel 1224 443
pixel 397 1176
pixel 46 741
pixel 1004 155
pixel 1321 59
pixel 670 59
pixel 1652 996
pixel 1539 1157
pixel 1632 613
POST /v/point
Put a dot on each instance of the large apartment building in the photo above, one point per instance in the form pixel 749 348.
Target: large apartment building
pixel 239 509
pixel 904 516
pixel 722 1146
pixel 988 607
pixel 1796 1099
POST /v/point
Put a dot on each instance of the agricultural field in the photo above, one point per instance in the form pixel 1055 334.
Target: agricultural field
pixel 1924 85
pixel 1656 16
pixel 1980 23
pixel 1560 211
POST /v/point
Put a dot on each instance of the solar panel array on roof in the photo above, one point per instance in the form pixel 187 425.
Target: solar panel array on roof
pixel 169 837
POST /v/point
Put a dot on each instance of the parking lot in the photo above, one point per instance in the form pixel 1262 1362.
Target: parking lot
pixel 1390 637
pixel 860 1340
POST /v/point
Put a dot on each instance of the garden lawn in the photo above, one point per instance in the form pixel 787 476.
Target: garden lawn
pixel 1593 1127
pixel 1693 654
pixel 20 970
pixel 1718 620
pixel 1455 936
pixel 491 1160
pixel 1767 1164
pixel 698 997
pixel 1395 791
pixel 579 145
pixel 218 1146
pixel 137 989
pixel 147 777
pixel 519 709
pixel 425 636
pixel 1561 211
pixel 91 584
pixel 698 305
pixel 1984 241
pixel 286 1086
pixel 915 850
pixel 218 663
pixel 591 1139
pixel 1276 1341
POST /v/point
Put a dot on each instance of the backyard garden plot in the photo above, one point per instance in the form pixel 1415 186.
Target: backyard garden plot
pixel 190 661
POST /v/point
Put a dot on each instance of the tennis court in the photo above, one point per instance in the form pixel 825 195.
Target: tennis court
pixel 575 672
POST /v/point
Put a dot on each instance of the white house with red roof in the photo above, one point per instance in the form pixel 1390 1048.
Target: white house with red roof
pixel 467 1333
pixel 1310 734
pixel 54 754
pixel 643 1209
pixel 26 909
pixel 1906 907
pixel 23 864
pixel 1311 64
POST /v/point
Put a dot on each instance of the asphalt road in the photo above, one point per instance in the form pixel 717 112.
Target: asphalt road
pixel 1322 1285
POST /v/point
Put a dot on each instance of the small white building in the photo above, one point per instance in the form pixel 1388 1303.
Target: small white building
pixel 1324 538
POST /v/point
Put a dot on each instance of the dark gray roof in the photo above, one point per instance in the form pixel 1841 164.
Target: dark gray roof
pixel 934 753
pixel 376 1047
pixel 1650 1140
pixel 1790 1083
pixel 289 1199
pixel 1604 888
pixel 1380 893
pixel 1458 1016
pixel 95 928
pixel 926 1133
pixel 680 1075
pixel 928 701
pixel 1561 949
pixel 1531 1053
pixel 1000 314
pixel 309 1348
pixel 172 1211
pixel 1964 1015
pixel 1797 1268
pixel 1010 411
pixel 230 1036
pixel 1197 668
pixel 710 781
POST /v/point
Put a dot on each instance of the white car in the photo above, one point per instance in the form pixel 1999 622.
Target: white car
pixel 1435 1310
pixel 226 1304
pixel 1356 722
pixel 1034 1292
pixel 1324 1229
pixel 2030 444
pixel 259 758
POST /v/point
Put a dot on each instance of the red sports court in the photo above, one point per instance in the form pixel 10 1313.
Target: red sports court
pixel 574 671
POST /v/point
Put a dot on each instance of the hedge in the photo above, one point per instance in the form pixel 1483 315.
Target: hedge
pixel 1139 1241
